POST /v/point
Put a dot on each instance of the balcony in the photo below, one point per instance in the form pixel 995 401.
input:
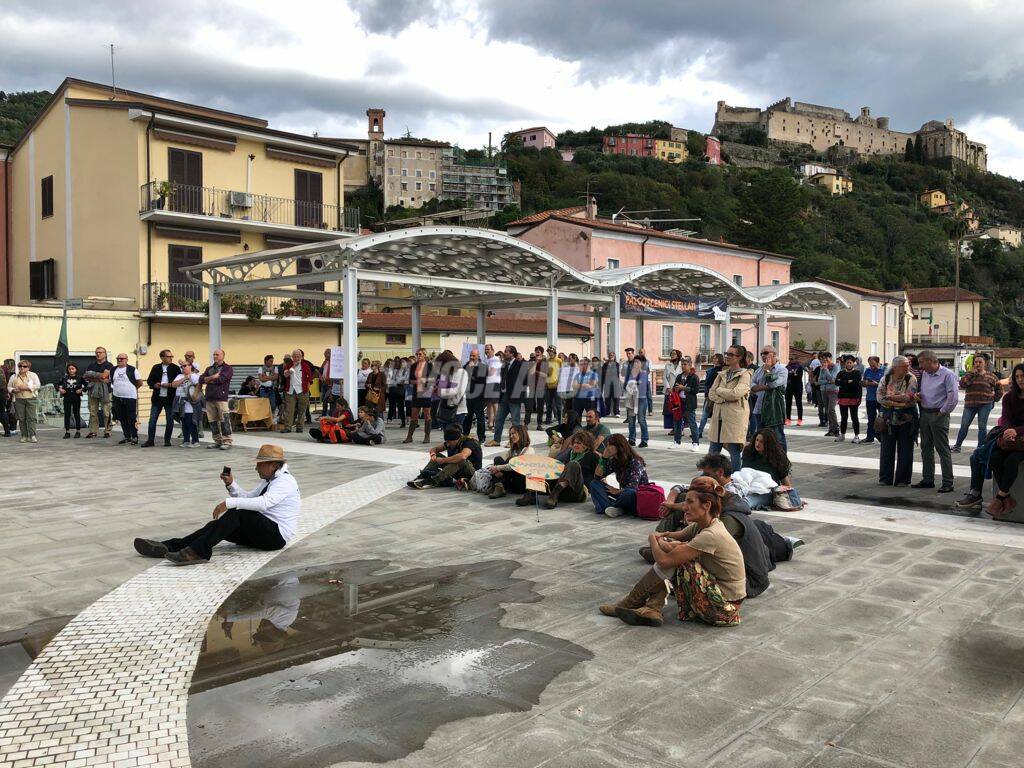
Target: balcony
pixel 937 340
pixel 225 209
pixel 161 298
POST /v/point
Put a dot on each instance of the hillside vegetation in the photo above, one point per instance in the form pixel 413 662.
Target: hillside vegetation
pixel 878 236
pixel 17 110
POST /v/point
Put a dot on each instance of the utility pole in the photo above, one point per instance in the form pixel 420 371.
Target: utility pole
pixel 956 298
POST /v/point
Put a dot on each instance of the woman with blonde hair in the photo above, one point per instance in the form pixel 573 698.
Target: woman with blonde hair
pixel 703 562
pixel 503 477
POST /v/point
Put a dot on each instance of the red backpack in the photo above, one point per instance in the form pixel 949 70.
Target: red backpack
pixel 649 496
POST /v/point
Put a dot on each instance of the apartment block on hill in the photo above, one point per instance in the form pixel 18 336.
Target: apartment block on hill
pixel 670 151
pixel 539 137
pixel 823 128
pixel 630 144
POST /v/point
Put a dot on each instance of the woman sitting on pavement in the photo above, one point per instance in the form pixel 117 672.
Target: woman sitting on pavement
pixel 369 430
pixel 765 454
pixel 1003 464
pixel 620 459
pixel 703 561
pixel 896 393
pixel 580 461
pixel 558 435
pixel 505 478
pixel 332 428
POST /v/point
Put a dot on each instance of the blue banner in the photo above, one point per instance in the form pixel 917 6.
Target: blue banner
pixel 675 305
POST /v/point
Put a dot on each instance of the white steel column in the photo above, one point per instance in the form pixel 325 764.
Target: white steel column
pixel 215 337
pixel 598 349
pixel 613 328
pixel 762 329
pixel 553 318
pixel 417 326
pixel 725 333
pixel 350 319
pixel 639 343
pixel 481 325
pixel 832 340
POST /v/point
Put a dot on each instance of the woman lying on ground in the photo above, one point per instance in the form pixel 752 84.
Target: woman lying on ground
pixel 580 462
pixel 558 434
pixel 369 430
pixel 502 477
pixel 766 454
pixel 703 562
pixel 620 459
pixel 332 428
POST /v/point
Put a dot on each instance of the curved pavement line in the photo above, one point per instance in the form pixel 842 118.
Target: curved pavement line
pixel 112 686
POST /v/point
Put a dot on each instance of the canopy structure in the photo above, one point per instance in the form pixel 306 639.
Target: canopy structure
pixel 488 270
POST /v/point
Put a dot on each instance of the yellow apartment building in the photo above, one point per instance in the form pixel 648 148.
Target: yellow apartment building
pixel 670 151
pixel 114 191
pixel 835 183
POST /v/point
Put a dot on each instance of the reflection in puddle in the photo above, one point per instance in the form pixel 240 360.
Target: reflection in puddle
pixel 327 665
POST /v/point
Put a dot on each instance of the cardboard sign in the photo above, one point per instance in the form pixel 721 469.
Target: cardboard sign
pixel 337 363
pixel 537 466
pixel 536 484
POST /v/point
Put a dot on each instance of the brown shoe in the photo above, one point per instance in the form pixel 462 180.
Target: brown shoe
pixel 186 556
pixel 998 507
pixel 638 596
pixel 643 616
pixel 497 491
pixel 150 548
pixel 647 555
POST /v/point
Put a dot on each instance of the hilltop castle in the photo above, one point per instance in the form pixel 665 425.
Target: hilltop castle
pixel 825 127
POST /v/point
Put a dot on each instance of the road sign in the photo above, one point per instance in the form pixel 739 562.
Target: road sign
pixel 74 303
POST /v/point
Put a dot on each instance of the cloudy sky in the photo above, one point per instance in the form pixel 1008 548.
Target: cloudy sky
pixel 456 70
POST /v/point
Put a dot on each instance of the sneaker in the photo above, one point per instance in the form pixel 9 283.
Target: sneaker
pixel 23 440
pixel 186 445
pixel 643 444
pixel 799 422
pixel 794 541
pixel 194 445
pixel 789 422
pixel 955 449
pixel 695 447
pixel 613 511
pixel 673 446
pixel 122 442
pixel 856 440
pixel 632 442
pixel 90 436
pixel 135 441
pixel 969 500
pixel 868 441
pixel 33 439
pixel 211 446
pixel 67 435
pixel 77 435
pixel 422 484
pixel 225 446
pixel 840 439
pixel 461 484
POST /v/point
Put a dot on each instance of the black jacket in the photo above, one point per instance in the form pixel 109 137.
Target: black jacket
pixel 155 374
pixel 513 381
pixel 477 380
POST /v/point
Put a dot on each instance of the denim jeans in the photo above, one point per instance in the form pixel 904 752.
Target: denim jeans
pixel 872 408
pixel 625 500
pixel 735 453
pixel 154 414
pixel 970 411
pixel 703 422
pixel 641 416
pixel 759 500
pixel 757 426
pixel 504 410
pixel 189 428
pixel 690 417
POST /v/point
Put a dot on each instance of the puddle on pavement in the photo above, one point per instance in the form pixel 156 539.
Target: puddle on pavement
pixel 320 666
pixel 19 648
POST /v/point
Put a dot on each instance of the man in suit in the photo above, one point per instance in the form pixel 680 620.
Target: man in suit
pixel 160 381
pixel 514 389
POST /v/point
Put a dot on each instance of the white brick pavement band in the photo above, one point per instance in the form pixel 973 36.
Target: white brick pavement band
pixel 112 687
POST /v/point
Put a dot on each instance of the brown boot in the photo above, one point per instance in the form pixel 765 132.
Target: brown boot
pixel 412 429
pixel 647 554
pixel 649 614
pixel 426 432
pixel 637 597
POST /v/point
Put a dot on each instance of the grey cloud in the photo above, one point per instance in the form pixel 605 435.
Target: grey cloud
pixel 392 16
pixel 911 60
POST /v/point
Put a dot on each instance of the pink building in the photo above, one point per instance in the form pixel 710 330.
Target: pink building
pixel 577 236
pixel 713 151
pixel 539 137
pixel 632 144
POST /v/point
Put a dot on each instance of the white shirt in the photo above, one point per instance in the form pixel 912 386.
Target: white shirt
pixel 163 381
pixel 361 376
pixel 185 392
pixel 121 386
pixel 281 503
pixel 494 370
pixel 295 382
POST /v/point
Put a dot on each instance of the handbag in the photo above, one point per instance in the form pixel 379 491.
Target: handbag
pixel 649 496
pixel 786 500
pixel 374 397
pixel 881 424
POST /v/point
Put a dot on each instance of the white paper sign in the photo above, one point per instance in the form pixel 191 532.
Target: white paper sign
pixel 337 363
pixel 469 346
pixel 565 377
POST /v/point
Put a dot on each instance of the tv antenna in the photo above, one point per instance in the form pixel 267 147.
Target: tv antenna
pixel 113 80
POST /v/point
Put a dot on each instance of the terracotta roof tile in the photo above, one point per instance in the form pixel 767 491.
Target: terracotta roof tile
pixel 858 289
pixel 536 218
pixel 946 293
pixel 388 321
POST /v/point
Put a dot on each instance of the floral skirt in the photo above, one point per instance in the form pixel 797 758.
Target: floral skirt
pixel 699 597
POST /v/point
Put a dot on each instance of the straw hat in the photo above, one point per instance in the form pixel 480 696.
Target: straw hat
pixel 269 452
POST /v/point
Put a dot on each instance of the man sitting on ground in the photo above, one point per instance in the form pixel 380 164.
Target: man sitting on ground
pixel 458 457
pixel 263 518
pixel 597 429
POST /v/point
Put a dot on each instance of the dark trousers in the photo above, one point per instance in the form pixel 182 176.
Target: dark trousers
pixel 475 411
pixel 396 404
pixel 819 400
pixel 535 405
pixel 5 414
pixel 896 455
pixel 239 526
pixel 127 412
pixel 154 413
pixel 553 404
pixel 795 395
pixel 613 405
pixel 1005 466
pixel 364 440
pixel 872 407
pixel 72 412
pixel 850 411
pixel 190 426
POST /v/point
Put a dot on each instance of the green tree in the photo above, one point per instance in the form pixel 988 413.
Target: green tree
pixel 771 208
pixel 908 153
pixel 918 149
pixel 696 144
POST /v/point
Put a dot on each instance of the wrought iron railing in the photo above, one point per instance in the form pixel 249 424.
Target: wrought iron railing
pixel 244 206
pixel 189 297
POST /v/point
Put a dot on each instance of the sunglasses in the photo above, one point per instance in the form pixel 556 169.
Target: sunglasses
pixel 22 365
pixel 731 354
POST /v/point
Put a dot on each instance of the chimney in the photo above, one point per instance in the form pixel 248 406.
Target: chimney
pixel 591 208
